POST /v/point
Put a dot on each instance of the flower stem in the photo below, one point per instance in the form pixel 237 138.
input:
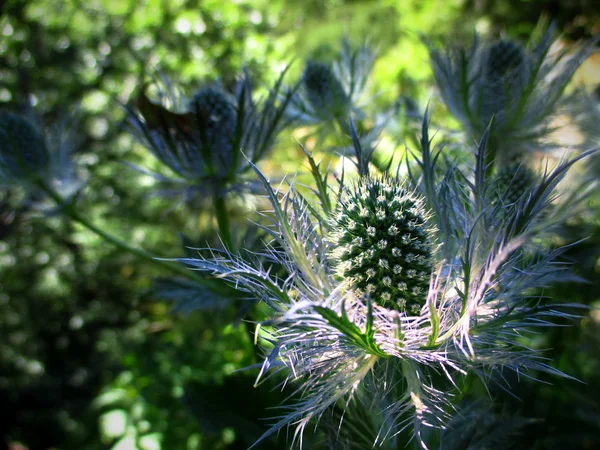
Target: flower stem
pixel 69 211
pixel 223 220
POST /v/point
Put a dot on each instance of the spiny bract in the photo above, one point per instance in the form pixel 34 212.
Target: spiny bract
pixel 382 242
pixel 325 92
pixel 218 118
pixel 22 147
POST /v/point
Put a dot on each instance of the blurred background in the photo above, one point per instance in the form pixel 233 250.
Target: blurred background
pixel 91 357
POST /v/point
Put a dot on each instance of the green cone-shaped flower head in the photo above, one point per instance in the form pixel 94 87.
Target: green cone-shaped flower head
pixel 504 57
pixel 325 92
pixel 23 152
pixel 505 73
pixel 217 116
pixel 383 243
pixel 512 182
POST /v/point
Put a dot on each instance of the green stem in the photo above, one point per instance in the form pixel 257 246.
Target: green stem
pixel 223 220
pixel 70 212
pixel 490 157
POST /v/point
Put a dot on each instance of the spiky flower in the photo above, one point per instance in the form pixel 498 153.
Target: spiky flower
pixel 330 93
pixel 216 112
pixel 343 345
pixel 505 72
pixel 325 92
pixel 34 157
pixel 23 152
pixel 504 58
pixel 207 140
pixel 512 182
pixel 381 238
pixel 522 89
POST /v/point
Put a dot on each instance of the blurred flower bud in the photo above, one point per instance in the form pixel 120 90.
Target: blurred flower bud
pixel 512 182
pixel 324 90
pixel 217 115
pixel 23 152
pixel 504 57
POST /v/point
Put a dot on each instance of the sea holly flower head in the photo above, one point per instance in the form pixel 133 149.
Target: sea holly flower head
pixel 208 138
pixel 23 153
pixel 512 183
pixel 504 58
pixel 32 156
pixel 505 73
pixel 381 239
pixel 216 111
pixel 519 89
pixel 343 332
pixel 324 91
pixel 329 93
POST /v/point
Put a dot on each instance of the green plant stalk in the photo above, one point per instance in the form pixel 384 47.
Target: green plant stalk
pixel 223 222
pixel 69 211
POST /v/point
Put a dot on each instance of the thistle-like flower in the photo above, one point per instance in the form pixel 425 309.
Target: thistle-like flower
pixel 208 139
pixel 512 182
pixel 329 94
pixel 522 89
pixel 31 156
pixel 23 153
pixel 324 91
pixel 217 112
pixel 381 239
pixel 369 307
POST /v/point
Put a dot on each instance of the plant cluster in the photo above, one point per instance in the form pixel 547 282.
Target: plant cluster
pixel 380 289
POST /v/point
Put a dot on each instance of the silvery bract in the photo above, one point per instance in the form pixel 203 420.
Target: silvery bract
pixel 388 281
pixel 521 88
pixel 201 138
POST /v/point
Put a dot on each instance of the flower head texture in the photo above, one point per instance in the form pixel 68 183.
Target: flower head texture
pixel 32 156
pixel 381 239
pixel 23 152
pixel 367 308
pixel 520 88
pixel 512 182
pixel 503 59
pixel 217 113
pixel 324 91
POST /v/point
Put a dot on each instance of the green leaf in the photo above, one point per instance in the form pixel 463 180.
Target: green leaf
pixel 365 340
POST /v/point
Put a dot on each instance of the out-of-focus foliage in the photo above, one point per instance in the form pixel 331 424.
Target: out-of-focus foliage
pixel 89 355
